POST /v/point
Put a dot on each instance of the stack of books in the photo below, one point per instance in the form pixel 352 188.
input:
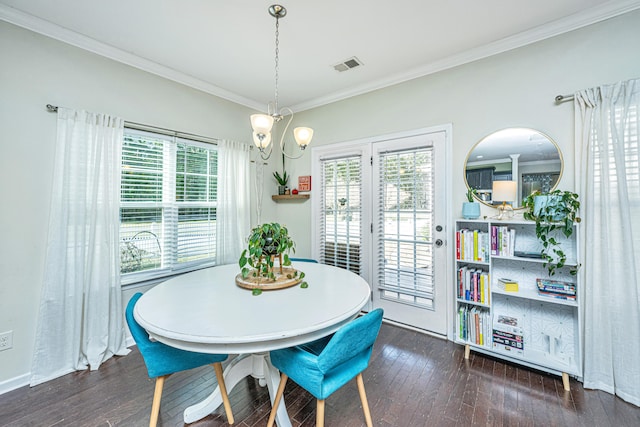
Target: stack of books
pixel 508 285
pixel 508 334
pixel 556 289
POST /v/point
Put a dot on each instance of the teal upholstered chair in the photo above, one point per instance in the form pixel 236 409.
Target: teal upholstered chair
pixel 303 260
pixel 323 366
pixel 163 360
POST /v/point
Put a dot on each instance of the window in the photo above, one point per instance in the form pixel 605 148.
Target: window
pixel 167 206
pixel 341 223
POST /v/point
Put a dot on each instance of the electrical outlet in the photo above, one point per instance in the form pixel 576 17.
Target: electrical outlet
pixel 6 340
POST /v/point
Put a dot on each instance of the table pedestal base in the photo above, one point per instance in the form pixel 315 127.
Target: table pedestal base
pixel 257 365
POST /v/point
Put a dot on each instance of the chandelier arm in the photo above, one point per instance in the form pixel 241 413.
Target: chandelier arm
pixel 284 132
pixel 262 153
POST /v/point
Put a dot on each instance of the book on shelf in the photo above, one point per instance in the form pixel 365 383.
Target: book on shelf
pixel 474 325
pixel 472 245
pixel 556 289
pixel 503 240
pixel 473 284
pixel 508 285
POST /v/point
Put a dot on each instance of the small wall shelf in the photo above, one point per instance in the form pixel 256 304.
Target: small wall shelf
pixel 290 197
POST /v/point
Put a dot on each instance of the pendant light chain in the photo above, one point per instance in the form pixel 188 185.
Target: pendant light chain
pixel 262 124
pixel 277 59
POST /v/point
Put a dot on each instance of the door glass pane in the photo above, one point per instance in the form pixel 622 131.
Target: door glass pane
pixel 405 272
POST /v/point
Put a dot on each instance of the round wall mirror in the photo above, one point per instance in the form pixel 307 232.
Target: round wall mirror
pixel 525 156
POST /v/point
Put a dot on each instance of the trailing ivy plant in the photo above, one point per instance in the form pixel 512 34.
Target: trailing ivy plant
pixel 558 214
pixel 263 241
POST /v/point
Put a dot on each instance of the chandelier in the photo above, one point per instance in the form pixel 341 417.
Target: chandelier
pixel 263 123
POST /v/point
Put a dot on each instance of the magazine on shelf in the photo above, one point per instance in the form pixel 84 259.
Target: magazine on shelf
pixel 508 334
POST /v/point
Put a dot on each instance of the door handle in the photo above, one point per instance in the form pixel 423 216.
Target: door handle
pixel 439 242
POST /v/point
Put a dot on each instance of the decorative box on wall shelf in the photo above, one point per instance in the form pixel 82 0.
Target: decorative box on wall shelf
pixel 290 197
pixel 537 323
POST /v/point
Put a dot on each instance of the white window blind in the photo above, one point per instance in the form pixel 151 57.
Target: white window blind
pixel 616 171
pixel 168 205
pixel 405 221
pixel 341 213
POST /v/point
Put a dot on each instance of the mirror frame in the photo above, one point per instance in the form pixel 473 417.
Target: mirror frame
pixel 466 161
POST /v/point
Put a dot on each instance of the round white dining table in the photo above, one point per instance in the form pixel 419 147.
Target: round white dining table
pixel 205 311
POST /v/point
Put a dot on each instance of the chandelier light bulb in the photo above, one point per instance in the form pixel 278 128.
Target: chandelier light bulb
pixel 303 136
pixel 261 140
pixel 261 123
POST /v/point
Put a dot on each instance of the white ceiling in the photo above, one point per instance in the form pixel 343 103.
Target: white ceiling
pixel 227 48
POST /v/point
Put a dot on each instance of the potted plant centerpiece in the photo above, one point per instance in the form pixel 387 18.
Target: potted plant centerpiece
pixel 554 213
pixel 471 208
pixel 265 243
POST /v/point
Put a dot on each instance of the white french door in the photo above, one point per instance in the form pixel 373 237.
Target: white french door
pixel 381 213
pixel 409 211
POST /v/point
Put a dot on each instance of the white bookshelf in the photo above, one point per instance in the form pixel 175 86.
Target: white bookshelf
pixel 547 332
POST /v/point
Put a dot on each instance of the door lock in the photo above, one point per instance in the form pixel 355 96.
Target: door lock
pixel 439 243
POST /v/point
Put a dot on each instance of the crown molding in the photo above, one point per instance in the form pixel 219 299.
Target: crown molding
pixel 591 16
pixel 65 35
pixel 579 20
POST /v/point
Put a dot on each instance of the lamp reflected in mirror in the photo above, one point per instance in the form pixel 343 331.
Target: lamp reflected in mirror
pixel 505 192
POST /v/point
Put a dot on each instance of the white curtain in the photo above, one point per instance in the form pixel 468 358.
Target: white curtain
pixel 233 210
pixel 608 172
pixel 80 321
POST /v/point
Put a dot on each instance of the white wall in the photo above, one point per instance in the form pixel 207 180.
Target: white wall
pixel 513 89
pixel 36 71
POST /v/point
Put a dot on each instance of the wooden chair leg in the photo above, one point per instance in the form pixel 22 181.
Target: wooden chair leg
pixel 276 401
pixel 320 414
pixel 363 398
pixel 155 406
pixel 223 391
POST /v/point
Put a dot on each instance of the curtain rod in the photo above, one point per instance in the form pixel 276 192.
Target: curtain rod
pixel 563 98
pixel 164 131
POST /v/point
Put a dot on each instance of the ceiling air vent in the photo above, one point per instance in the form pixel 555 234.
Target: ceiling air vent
pixel 348 64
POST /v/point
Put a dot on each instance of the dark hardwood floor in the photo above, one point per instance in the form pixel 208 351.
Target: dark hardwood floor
pixel 413 380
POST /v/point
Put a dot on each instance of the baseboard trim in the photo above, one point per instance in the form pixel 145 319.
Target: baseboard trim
pixel 23 380
pixel 14 383
pixel 413 328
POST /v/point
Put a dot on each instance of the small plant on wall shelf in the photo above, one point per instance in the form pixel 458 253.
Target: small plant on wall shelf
pixel 553 212
pixel 281 179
